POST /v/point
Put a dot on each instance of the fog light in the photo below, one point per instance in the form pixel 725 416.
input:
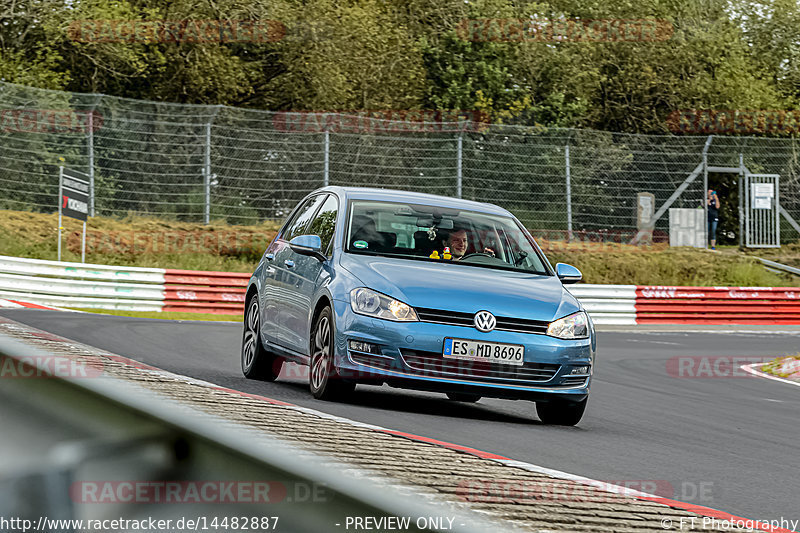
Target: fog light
pixel 366 347
pixel 580 370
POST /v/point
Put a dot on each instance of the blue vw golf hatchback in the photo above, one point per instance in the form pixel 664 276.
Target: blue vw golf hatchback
pixel 422 292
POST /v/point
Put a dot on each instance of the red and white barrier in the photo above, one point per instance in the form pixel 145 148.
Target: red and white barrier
pixel 717 305
pixel 53 283
pixel 197 291
pixel 50 283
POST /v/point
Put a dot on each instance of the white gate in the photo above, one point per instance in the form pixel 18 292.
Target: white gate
pixel 761 211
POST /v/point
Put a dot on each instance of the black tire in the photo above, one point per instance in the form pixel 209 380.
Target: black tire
pixel 561 412
pixel 257 362
pixel 463 397
pixel 324 381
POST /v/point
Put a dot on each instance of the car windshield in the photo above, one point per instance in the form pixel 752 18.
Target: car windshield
pixel 429 233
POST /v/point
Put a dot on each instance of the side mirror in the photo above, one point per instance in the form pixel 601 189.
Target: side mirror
pixel 568 273
pixel 310 245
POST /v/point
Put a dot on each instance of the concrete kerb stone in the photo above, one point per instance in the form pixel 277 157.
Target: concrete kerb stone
pixel 428 469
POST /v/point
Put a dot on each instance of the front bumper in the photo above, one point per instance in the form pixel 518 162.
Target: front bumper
pixel 411 357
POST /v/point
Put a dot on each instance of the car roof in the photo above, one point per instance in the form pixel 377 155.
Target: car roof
pixel 394 195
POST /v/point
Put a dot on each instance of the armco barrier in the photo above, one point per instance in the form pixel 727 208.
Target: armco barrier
pixel 718 305
pixel 196 291
pixel 123 288
pixel 157 289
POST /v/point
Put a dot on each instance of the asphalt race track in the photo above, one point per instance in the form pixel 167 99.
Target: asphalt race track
pixel 729 443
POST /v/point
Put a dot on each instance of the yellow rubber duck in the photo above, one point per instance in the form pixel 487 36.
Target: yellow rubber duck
pixel 446 254
pixel 434 255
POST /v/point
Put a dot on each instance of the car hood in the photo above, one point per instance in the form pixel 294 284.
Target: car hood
pixel 468 289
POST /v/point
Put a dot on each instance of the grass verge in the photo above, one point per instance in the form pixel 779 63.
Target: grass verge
pixel 152 242
pixel 165 315
pixel 784 367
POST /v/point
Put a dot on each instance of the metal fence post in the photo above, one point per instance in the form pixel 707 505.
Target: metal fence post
pixel 569 192
pixel 207 168
pixel 90 149
pixel 459 169
pixel 741 201
pixel 326 158
pixel 60 193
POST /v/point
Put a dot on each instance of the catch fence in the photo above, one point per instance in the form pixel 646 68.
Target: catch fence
pixel 199 163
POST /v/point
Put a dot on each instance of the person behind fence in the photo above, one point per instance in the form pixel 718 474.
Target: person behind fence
pixel 712 200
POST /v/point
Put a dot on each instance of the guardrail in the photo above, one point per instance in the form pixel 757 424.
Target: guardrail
pixel 718 305
pixel 112 433
pixel 123 288
pixel 157 289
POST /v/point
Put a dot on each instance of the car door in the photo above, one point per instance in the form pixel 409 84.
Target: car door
pixel 273 293
pixel 288 284
pixel 310 274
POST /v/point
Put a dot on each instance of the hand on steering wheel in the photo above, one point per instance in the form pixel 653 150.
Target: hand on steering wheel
pixel 473 254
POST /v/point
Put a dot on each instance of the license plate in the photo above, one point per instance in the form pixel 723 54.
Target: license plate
pixel 493 352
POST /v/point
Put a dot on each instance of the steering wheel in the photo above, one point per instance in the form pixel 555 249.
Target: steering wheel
pixel 473 254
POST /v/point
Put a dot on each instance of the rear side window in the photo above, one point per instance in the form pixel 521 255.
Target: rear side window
pixel 325 222
pixel 300 221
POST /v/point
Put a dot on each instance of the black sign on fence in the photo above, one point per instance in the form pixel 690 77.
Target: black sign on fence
pixel 74 196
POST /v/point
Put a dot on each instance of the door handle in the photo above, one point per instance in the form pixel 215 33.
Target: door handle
pixel 270 256
pixel 289 263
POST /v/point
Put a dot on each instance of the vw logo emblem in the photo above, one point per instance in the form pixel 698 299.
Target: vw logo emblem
pixel 484 321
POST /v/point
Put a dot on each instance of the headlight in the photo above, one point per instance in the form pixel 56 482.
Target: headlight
pixel 574 326
pixel 371 303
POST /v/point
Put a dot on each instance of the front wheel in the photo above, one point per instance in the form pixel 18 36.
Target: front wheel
pixel 324 381
pixel 257 362
pixel 561 412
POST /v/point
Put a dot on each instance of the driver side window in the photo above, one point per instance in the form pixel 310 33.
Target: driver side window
pixel 301 219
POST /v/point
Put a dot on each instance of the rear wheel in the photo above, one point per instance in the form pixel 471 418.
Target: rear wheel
pixel 324 381
pixel 561 412
pixel 257 362
pixel 463 397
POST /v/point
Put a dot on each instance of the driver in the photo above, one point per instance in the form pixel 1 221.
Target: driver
pixel 458 242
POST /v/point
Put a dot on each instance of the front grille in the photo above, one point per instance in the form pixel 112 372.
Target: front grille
pixel 455 318
pixel 433 364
